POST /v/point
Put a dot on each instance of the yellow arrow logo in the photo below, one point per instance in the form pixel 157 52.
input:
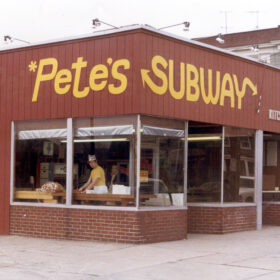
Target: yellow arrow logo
pixel 145 77
pixel 241 93
pixel 154 87
pixel 248 82
pixel 157 60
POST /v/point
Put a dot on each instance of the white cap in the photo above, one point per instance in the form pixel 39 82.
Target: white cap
pixel 91 157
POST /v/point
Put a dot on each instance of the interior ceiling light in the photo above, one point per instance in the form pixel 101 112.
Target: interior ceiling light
pixel 203 138
pixel 98 140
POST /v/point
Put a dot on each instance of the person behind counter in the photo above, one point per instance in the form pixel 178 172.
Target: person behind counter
pixel 97 175
pixel 116 177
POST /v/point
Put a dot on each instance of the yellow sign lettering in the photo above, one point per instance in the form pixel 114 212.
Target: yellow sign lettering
pixel 119 76
pixel 78 67
pixel 210 98
pixel 62 77
pixel 196 83
pixel 180 93
pixel 213 89
pixel 52 62
pixel 192 82
pixel 227 90
pixel 158 73
pixel 98 73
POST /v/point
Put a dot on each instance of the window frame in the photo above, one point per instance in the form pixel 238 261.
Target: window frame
pixel 134 147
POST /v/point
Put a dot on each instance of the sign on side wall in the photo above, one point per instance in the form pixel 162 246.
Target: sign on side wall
pixel 197 84
pixel 274 115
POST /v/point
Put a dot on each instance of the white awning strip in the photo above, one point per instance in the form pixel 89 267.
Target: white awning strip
pixel 43 133
pixel 159 131
pixel 104 131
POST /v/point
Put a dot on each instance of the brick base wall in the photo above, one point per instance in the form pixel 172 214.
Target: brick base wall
pixel 103 225
pixel 221 219
pixel 271 214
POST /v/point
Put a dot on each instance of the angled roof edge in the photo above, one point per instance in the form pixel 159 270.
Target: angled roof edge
pixel 241 32
pixel 135 27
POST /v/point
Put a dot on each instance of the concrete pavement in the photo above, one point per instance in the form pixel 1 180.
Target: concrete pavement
pixel 245 255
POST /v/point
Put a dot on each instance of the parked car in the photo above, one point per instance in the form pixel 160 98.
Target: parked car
pixel 246 194
pixel 211 191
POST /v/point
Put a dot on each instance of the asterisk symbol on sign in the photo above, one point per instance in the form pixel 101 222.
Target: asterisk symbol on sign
pixel 32 66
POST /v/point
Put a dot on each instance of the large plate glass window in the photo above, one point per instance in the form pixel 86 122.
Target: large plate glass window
pixel 239 165
pixel 204 162
pixel 161 163
pixel 108 179
pixel 271 167
pixel 40 161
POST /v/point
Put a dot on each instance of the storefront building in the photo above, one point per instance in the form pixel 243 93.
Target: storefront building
pixel 185 133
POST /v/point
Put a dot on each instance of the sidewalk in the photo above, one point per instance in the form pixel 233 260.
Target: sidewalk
pixel 246 255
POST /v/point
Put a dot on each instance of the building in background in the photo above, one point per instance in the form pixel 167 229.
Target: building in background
pixel 262 44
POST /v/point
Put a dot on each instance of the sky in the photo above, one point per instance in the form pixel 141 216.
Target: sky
pixel 42 20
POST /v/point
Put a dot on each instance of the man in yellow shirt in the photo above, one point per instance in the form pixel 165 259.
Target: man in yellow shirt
pixel 97 175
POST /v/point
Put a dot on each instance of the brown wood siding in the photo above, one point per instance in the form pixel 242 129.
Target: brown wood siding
pixel 266 78
pixel 139 47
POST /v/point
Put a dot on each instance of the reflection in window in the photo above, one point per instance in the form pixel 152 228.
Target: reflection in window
pixel 239 164
pixel 271 167
pixel 204 162
pixel 162 167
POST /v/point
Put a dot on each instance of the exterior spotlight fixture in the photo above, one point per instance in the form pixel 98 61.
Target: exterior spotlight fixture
pixel 186 26
pixel 96 23
pixel 220 39
pixel 255 48
pixel 9 39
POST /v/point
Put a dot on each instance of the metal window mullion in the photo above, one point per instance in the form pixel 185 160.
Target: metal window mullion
pixel 258 175
pixel 12 169
pixel 131 165
pixel 69 162
pixel 222 165
pixel 138 155
pixel 186 163
pixel 156 159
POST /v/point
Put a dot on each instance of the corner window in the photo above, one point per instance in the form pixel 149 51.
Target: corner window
pixel 162 163
pixel 204 162
pixel 239 165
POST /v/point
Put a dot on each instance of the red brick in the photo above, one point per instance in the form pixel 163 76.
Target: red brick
pixel 271 214
pixel 108 225
pixel 221 219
